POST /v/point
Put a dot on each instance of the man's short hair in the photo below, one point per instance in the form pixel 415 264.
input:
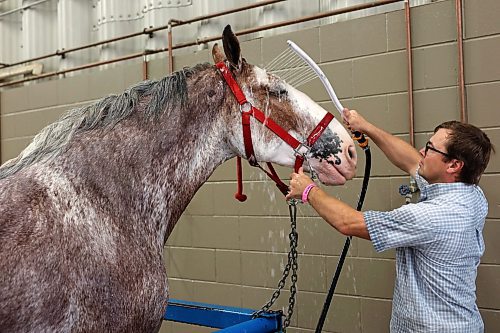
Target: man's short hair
pixel 470 145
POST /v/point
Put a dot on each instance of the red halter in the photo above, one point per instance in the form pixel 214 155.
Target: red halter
pixel 247 110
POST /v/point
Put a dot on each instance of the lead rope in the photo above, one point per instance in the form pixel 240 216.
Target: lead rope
pixel 292 265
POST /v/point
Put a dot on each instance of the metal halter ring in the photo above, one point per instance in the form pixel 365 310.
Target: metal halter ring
pixel 245 107
pixel 302 150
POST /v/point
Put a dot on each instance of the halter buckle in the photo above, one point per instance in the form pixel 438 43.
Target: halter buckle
pixel 245 107
pixel 302 149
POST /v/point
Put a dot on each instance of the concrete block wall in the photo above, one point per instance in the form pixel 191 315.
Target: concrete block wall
pixel 232 253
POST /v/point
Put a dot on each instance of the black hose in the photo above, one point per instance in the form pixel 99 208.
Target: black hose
pixel 329 296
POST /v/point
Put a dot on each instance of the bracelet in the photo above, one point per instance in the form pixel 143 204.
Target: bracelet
pixel 308 189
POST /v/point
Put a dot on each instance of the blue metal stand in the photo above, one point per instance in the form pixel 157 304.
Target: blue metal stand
pixel 229 319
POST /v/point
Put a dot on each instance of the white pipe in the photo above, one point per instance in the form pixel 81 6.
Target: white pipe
pixel 301 53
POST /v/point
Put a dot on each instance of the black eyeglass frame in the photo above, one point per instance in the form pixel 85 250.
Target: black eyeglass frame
pixel 429 147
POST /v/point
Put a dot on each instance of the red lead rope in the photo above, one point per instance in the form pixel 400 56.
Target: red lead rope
pixel 248 110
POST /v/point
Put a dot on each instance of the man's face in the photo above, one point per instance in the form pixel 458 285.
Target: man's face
pixel 433 166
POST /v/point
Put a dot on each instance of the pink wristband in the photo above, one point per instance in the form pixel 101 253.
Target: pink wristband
pixel 308 189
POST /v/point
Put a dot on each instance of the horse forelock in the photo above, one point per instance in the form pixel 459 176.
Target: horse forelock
pixel 161 96
pixel 275 101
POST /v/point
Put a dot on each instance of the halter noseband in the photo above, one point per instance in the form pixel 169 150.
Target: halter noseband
pixel 247 110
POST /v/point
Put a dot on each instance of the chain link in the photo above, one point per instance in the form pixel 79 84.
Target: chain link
pixel 292 265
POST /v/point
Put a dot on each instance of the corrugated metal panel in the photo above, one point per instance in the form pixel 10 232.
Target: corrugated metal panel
pixel 10 32
pixel 72 15
pixel 39 35
pixel 50 25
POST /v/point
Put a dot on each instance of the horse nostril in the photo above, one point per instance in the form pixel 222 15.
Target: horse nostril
pixel 351 152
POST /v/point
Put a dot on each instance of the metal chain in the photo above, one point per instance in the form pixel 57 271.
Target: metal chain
pixel 291 265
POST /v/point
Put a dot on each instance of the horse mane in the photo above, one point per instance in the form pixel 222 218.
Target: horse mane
pixel 164 95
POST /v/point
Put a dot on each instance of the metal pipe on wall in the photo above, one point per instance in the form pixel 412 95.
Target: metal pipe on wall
pixel 145 67
pixel 170 53
pixel 460 46
pixel 204 40
pixel 410 73
pixel 293 21
pixel 149 31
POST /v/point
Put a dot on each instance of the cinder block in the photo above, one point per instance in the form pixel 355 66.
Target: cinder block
pixel 43 94
pixel 494 165
pixel 191 263
pixel 73 89
pixel 489 184
pixel 492 246
pixel 434 106
pixel 482 99
pixel 481 18
pixel 181 289
pixel 12 147
pixel 13 100
pixel 29 123
pixel 317 237
pixel 344 314
pixel 263 233
pixel 218 293
pixel 312 273
pixel 256 297
pixel 228 266
pixel 182 235
pixel 307 39
pixel 433 23
pixel 254 269
pixel 480 57
pixel 375 315
pixel 488 286
pixel 491 319
pixel 440 66
pixel 132 73
pixel 380 74
pixel 158 68
pixel 374 277
pixel 353 38
pixel 192 59
pixel 106 82
pixel 252 51
pixel 396 30
pixel 203 201
pixel 215 232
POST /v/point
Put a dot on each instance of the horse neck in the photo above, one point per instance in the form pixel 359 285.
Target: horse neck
pixel 149 170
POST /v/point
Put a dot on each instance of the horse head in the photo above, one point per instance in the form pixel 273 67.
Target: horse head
pixel 332 156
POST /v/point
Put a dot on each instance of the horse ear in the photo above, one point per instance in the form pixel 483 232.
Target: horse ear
pixel 217 54
pixel 231 47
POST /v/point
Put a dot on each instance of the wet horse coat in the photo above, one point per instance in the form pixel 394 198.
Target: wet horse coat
pixel 86 209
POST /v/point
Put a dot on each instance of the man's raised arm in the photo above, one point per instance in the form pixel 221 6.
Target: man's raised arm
pixel 399 152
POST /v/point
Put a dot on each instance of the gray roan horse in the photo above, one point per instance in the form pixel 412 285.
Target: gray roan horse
pixel 86 208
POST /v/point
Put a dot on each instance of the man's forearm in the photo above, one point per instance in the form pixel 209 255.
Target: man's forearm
pixel 398 151
pixel 339 215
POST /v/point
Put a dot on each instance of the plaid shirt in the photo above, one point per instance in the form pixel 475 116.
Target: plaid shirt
pixel 438 245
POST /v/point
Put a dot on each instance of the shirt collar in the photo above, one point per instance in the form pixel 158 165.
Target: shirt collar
pixel 431 191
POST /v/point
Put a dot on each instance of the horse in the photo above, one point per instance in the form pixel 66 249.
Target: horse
pixel 86 208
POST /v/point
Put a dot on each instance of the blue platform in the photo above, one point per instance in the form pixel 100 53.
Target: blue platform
pixel 227 319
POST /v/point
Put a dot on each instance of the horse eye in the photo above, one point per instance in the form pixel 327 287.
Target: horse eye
pixel 279 92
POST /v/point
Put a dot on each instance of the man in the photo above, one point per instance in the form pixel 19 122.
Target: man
pixel 438 240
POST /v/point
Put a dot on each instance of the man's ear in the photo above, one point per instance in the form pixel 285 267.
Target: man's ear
pixel 455 167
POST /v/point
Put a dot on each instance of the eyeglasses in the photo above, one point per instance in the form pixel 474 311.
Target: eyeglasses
pixel 429 147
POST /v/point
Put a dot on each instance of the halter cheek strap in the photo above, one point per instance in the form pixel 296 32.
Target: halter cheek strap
pixel 248 110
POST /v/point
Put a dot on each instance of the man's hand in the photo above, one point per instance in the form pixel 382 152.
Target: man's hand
pixel 298 183
pixel 354 121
